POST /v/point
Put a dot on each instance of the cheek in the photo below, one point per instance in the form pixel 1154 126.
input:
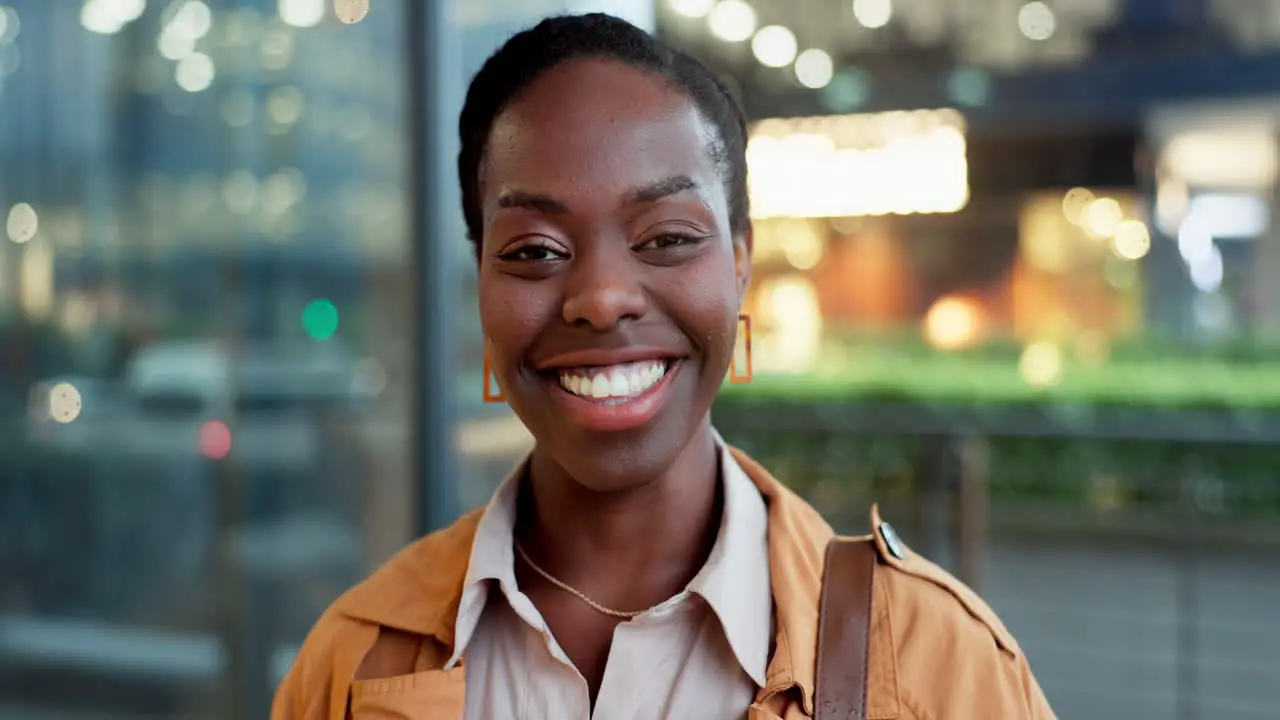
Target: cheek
pixel 511 313
pixel 705 304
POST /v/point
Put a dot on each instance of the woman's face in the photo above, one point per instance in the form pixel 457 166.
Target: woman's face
pixel 609 279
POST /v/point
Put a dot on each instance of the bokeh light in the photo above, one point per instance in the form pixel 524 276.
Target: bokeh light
pixel 1075 204
pixel 970 86
pixel 64 403
pixel 732 20
pixel 1103 216
pixel 774 46
pixel 215 440
pixel 107 17
pixel 1041 364
pixel 1132 240
pixel 193 18
pixel 320 319
pixel 195 72
pixel 10 25
pixel 692 8
pixel 873 14
pixel 22 223
pixel 814 68
pixel 301 13
pixel 847 91
pixel 1037 21
pixel 952 323
pixel 350 11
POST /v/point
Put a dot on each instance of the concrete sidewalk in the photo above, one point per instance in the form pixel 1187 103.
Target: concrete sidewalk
pixel 1119 631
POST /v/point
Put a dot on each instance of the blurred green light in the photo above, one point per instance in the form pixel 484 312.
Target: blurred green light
pixel 969 86
pixel 320 319
pixel 847 91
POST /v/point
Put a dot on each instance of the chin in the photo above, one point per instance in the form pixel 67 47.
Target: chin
pixel 617 463
pixel 611 446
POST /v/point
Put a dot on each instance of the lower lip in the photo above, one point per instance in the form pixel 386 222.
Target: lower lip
pixel 616 416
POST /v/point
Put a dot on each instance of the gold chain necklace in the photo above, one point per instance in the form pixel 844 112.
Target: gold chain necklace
pixel 625 615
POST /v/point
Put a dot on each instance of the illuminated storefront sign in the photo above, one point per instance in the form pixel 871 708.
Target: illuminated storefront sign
pixel 843 166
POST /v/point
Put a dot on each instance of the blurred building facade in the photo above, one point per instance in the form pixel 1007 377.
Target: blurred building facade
pixel 1144 100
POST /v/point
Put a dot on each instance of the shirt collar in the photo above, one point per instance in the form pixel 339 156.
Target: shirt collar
pixel 734 582
pixel 492 558
pixel 735 579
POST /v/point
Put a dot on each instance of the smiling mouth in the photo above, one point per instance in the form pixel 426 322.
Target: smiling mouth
pixel 614 384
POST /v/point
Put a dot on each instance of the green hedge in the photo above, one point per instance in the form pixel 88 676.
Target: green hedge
pixel 1217 478
pixel 870 374
pixel 1221 480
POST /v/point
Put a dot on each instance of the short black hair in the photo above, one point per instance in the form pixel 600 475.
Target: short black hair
pixel 558 39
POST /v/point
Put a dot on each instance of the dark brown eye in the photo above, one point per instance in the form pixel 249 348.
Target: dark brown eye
pixel 532 253
pixel 668 241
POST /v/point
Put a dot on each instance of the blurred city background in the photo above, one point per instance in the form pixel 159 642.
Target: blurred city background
pixel 1018 279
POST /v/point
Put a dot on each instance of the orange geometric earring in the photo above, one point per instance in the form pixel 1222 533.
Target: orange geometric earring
pixel 489 382
pixel 741 372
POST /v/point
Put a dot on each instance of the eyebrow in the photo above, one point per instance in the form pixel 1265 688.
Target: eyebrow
pixel 658 190
pixel 649 193
pixel 532 201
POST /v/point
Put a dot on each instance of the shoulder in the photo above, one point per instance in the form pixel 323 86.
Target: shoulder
pixel 333 649
pixel 416 592
pixel 953 656
pixel 415 589
pixel 932 599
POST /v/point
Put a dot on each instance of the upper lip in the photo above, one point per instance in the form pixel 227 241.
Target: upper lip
pixel 600 358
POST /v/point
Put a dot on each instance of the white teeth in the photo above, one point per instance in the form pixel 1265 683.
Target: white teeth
pixel 619 385
pixel 600 387
pixel 615 381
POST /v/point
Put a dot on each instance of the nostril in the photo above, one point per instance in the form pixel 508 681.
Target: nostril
pixel 604 306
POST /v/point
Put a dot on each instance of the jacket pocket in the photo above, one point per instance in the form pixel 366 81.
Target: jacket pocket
pixel 428 695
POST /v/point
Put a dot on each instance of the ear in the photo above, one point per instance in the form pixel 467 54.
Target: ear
pixel 743 244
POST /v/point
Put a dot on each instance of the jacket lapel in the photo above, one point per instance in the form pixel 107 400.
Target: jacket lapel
pixel 418 592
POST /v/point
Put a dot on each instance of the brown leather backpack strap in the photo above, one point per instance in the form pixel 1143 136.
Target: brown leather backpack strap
pixel 844 629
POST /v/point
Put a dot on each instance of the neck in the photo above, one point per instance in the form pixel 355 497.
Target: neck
pixel 641 545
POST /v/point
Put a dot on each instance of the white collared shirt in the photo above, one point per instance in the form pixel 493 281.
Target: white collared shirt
pixel 701 654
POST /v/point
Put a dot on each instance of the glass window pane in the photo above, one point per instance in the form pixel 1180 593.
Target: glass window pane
pixel 205 301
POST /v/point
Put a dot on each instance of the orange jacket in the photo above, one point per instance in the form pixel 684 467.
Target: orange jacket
pixel 937 652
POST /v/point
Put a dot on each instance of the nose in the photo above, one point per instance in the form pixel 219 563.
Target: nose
pixel 603 290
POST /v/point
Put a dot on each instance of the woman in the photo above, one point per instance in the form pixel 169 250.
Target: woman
pixel 632 566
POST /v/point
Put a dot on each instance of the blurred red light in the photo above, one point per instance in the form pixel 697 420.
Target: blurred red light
pixel 215 440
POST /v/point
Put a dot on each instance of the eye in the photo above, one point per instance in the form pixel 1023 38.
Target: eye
pixel 533 253
pixel 667 241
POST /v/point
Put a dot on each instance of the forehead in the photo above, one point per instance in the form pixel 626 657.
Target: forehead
pixel 594 130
